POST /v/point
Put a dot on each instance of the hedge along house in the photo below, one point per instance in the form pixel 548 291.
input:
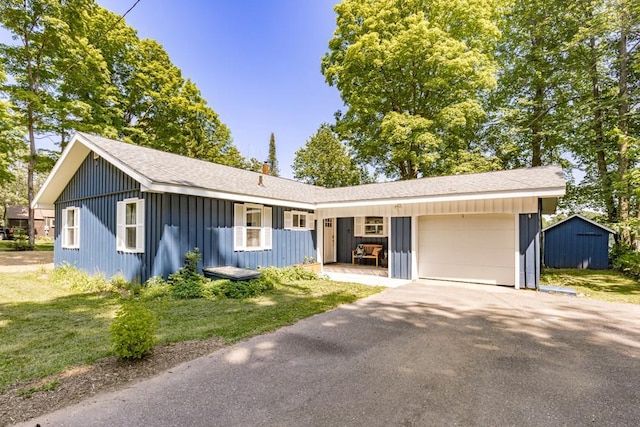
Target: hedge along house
pixel 130 209
pixel 577 242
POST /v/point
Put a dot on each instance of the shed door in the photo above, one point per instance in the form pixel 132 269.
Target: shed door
pixel 468 248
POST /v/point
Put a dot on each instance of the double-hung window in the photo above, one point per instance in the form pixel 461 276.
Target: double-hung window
pixel 71 228
pixel 294 220
pixel 130 220
pixel 252 227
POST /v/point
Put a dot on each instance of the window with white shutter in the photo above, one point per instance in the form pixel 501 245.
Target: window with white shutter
pixel 252 227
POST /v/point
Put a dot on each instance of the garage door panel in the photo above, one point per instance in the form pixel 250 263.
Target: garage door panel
pixel 471 256
pixel 476 248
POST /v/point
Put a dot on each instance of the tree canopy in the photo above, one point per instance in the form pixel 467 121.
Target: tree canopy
pixel 412 74
pixel 325 161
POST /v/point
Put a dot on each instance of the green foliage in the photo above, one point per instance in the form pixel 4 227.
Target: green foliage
pixel 155 288
pixel 132 331
pixel 240 289
pixel 626 261
pixel 70 277
pixel 287 274
pixel 412 74
pixel 324 161
pixel 187 282
pixel 272 159
pixel 20 240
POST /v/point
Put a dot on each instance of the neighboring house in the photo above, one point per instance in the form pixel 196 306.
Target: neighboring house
pixel 130 209
pixel 17 217
pixel 577 242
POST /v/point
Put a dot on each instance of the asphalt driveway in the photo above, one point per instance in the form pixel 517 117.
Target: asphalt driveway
pixel 420 354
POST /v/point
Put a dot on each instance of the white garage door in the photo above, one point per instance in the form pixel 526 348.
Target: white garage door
pixel 469 248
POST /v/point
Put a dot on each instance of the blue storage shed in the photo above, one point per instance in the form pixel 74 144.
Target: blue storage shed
pixel 577 242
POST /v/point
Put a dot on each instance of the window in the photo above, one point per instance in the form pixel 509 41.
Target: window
pixel 71 228
pixel 130 219
pixel 252 227
pixel 370 226
pixel 294 220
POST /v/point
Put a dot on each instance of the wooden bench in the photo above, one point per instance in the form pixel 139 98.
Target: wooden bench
pixel 371 251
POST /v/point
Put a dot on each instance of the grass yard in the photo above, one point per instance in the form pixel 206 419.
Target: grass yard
pixel 46 328
pixel 605 285
pixel 41 245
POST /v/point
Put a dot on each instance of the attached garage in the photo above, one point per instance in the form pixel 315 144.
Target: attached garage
pixel 479 248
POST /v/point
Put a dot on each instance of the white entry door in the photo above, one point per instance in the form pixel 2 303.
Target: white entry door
pixel 329 253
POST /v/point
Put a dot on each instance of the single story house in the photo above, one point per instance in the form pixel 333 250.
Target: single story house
pixel 130 209
pixel 17 217
pixel 577 242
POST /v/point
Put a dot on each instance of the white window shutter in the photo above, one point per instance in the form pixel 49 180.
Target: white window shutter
pixel 65 242
pixel 266 228
pixel 140 222
pixel 120 218
pixel 239 221
pixel 288 220
pixel 310 221
pixel 358 226
pixel 76 244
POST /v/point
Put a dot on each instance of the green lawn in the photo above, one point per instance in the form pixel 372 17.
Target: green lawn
pixel 605 285
pixel 41 245
pixel 46 328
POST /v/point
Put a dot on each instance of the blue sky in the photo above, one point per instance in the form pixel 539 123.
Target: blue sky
pixel 256 62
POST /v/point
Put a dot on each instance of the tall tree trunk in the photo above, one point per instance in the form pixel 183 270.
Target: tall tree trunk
pixel 598 129
pixel 536 126
pixel 623 124
pixel 30 173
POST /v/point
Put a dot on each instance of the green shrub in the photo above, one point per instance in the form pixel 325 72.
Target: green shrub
pixel 132 331
pixel 187 282
pixel 287 274
pixel 154 289
pixel 20 240
pixel 626 261
pixel 237 290
pixel 72 278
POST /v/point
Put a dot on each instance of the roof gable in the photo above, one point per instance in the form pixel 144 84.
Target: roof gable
pixel 581 218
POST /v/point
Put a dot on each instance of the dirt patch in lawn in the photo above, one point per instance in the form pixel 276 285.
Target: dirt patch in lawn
pixel 28 400
pixel 26 258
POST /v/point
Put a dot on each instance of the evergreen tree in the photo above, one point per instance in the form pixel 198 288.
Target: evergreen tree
pixel 272 160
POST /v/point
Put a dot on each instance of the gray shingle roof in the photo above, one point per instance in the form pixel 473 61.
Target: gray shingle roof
pixel 170 169
pixel 532 179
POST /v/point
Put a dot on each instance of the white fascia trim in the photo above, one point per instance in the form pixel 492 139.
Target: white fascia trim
pixel 35 203
pixel 194 191
pixel 552 192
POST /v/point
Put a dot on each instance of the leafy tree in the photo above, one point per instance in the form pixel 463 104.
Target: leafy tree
pixel 412 74
pixel 272 159
pixel 528 111
pixel 48 34
pixel 324 161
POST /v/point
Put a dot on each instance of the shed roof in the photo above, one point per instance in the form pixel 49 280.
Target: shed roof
pixel 580 217
pixel 166 172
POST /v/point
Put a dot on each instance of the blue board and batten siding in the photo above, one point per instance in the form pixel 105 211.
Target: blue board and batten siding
pixel 529 253
pixel 174 225
pixel 576 243
pixel 400 253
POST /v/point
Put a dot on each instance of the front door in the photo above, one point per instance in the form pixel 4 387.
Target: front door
pixel 329 252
